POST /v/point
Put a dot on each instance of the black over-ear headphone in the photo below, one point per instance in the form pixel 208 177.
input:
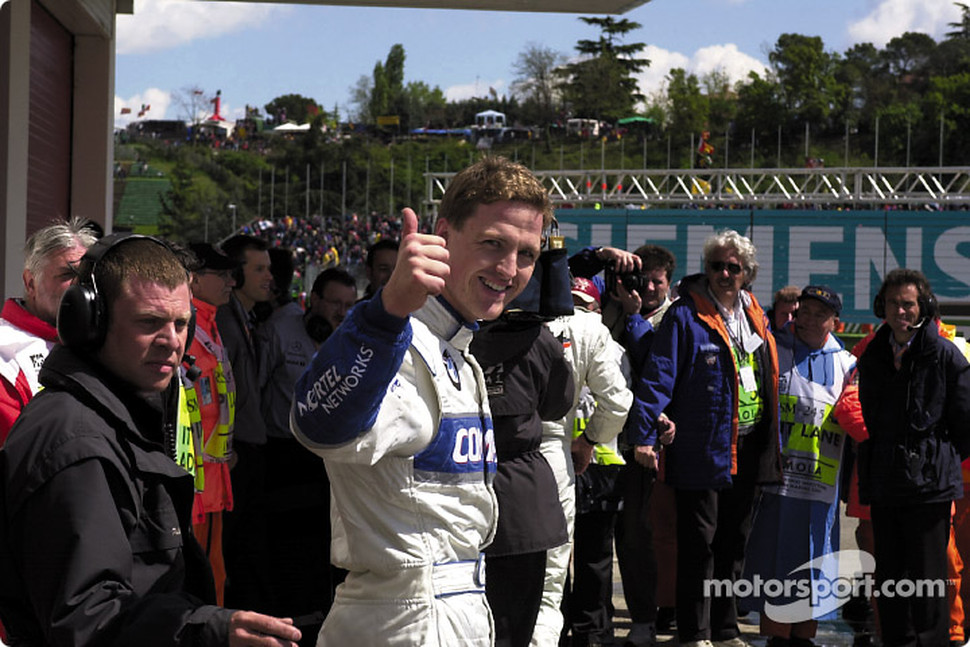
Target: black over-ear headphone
pixel 239 276
pixel 82 320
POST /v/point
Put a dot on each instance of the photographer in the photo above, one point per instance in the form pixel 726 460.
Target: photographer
pixel 634 305
pixel 635 288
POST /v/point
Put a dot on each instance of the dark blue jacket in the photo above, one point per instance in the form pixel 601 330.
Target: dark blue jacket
pixel 918 420
pixel 690 375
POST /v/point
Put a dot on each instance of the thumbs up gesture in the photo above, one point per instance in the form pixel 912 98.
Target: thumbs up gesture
pixel 421 270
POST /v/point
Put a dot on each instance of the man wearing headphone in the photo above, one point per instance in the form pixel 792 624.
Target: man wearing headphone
pixel 96 541
pixel 914 388
pixel 245 526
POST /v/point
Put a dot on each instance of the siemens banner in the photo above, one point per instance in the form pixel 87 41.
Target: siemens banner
pixel 849 250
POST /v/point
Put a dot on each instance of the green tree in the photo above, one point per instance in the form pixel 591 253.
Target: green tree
pixel 688 107
pixel 909 53
pixel 961 28
pixel 360 94
pixel 189 204
pixel 805 73
pixel 193 103
pixel 425 105
pixel 387 92
pixel 908 60
pixel 863 83
pixel 292 107
pixel 721 101
pixel 602 84
pixel 535 82
pixel 949 96
pixel 759 105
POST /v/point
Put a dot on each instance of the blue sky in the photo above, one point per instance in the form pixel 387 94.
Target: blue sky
pixel 255 52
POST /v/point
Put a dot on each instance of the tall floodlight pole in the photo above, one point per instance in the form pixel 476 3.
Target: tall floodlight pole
pixel 941 139
pixel 909 133
pixel 875 155
pixel 343 194
pixel 778 159
pixel 846 161
pixel 752 148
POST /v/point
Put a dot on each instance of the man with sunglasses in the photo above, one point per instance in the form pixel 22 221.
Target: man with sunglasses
pixel 713 369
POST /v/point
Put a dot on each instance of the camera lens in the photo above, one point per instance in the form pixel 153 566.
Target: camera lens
pixel 632 281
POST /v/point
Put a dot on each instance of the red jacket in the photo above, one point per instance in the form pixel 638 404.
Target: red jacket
pixel 25 342
pixel 217 495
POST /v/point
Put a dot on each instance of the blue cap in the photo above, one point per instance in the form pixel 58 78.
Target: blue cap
pixel 825 294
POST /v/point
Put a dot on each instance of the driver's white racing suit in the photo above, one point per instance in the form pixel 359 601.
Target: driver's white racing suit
pixel 397 409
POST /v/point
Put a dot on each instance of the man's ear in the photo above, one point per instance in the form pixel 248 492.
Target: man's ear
pixel 441 228
pixel 28 283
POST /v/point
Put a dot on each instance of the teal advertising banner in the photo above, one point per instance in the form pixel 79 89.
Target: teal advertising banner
pixel 851 251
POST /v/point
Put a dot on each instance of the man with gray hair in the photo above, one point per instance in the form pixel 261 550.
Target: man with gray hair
pixel 27 324
pixel 713 370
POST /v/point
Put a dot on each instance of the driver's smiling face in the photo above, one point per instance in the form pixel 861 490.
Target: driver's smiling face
pixel 491 256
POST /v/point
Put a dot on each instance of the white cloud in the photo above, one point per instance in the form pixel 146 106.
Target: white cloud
pixel 893 18
pixel 661 62
pixel 159 100
pixel 158 25
pixel 726 58
pixel 477 89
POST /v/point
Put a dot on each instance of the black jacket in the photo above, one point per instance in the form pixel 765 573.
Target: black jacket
pixel 96 543
pixel 528 381
pixel 244 359
pixel 918 420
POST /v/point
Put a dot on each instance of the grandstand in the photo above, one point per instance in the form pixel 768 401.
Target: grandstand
pixel 140 206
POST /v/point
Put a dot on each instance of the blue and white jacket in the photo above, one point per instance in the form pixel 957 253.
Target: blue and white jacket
pixel 398 411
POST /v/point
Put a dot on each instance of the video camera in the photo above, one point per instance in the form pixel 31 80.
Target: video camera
pixel 630 280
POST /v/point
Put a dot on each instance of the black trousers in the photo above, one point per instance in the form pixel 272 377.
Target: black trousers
pixel 591 595
pixel 910 544
pixel 634 542
pixel 244 532
pixel 712 530
pixel 297 504
pixel 513 585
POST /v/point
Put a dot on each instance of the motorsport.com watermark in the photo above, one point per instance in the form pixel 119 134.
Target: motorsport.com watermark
pixel 821 586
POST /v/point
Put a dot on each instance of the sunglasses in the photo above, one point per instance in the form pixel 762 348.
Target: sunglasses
pixel 718 266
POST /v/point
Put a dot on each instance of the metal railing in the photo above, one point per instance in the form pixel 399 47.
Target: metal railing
pixel 937 186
